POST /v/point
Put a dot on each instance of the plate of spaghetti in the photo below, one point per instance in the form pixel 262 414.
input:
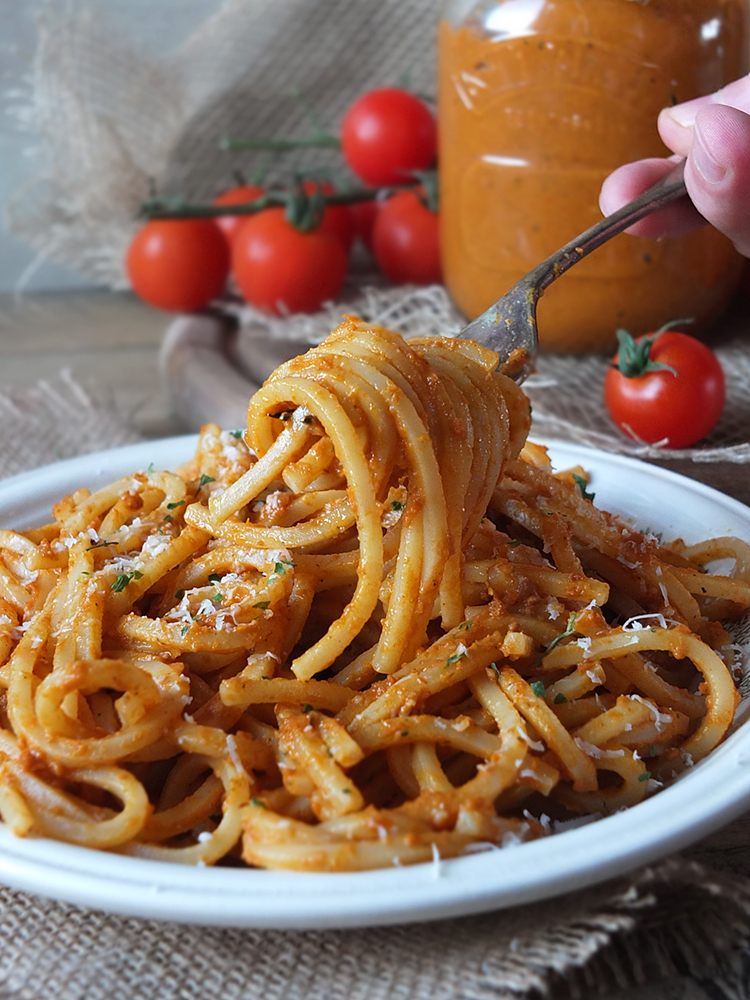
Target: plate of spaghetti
pixel 375 657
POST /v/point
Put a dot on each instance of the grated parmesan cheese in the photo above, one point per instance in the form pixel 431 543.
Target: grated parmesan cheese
pixel 234 755
pixel 534 744
pixel 591 750
pixel 636 623
pixel 660 718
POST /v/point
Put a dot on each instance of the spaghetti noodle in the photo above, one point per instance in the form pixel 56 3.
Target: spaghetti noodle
pixel 373 628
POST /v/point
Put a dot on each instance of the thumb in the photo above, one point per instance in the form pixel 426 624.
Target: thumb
pixel 717 173
pixel 676 123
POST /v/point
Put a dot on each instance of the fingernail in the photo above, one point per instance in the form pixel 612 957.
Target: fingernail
pixel 703 160
pixel 681 114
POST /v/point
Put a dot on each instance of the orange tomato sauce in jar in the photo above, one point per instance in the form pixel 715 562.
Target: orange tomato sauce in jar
pixel 538 101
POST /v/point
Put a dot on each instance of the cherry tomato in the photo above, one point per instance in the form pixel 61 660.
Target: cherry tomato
pixel 336 218
pixel 406 241
pixel 178 264
pixel 229 224
pixel 675 393
pixel 364 214
pixel 386 135
pixel 282 270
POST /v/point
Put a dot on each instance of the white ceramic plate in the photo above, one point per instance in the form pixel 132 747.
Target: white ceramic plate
pixel 709 795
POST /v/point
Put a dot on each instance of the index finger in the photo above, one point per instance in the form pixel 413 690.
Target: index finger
pixel 630 180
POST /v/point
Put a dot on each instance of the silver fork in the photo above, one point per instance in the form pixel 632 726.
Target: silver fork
pixel 509 325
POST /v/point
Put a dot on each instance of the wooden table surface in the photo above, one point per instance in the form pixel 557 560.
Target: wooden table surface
pixel 105 338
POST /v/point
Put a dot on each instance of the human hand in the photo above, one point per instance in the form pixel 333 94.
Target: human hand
pixel 713 134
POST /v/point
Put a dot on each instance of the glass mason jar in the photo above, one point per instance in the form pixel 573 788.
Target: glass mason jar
pixel 538 101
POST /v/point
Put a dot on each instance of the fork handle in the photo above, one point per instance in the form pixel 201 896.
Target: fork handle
pixel 664 192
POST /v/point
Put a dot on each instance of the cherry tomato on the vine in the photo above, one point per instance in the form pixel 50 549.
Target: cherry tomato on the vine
pixel 364 214
pixel 178 264
pixel 229 224
pixel 675 392
pixel 386 135
pixel 281 269
pixel 406 240
pixel 336 218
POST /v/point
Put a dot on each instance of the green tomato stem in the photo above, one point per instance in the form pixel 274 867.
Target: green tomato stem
pixel 174 208
pixel 429 182
pixel 317 140
pixel 305 211
pixel 634 357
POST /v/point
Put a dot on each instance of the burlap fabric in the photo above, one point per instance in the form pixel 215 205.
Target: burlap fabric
pixel 58 419
pixel 574 948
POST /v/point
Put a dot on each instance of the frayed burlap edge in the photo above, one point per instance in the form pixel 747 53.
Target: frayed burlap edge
pixel 58 418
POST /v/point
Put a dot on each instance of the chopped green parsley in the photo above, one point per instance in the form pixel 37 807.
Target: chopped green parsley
pixel 569 630
pixel 458 655
pixel 582 485
pixel 202 482
pixel 124 579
